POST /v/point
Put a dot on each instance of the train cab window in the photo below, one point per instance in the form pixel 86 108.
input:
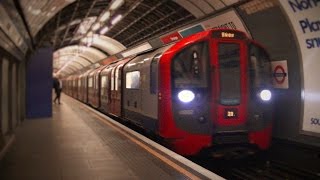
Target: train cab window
pixel 229 73
pixel 190 67
pixel 133 80
pixel 154 73
pixel 259 66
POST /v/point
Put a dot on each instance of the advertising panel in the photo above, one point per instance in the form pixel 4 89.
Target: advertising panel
pixel 304 16
pixel 227 20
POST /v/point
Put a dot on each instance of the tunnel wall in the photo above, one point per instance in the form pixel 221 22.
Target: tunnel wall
pixel 39 84
pixel 5 121
pixel 12 106
pixel 271 28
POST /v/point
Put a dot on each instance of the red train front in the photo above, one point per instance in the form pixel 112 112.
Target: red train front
pixel 215 89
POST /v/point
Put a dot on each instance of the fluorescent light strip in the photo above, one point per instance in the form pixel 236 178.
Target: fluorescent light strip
pixel 96 26
pixel 116 19
pixel 105 16
pixel 116 4
pixel 104 30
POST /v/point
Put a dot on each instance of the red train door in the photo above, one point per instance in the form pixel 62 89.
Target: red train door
pixel 229 82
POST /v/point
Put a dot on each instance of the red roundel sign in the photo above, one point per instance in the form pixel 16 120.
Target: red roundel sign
pixel 279 74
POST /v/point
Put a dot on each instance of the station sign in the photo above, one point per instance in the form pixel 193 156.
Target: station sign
pixel 280 74
pixel 171 38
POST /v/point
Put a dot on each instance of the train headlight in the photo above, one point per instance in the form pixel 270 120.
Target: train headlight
pixel 265 95
pixel 186 96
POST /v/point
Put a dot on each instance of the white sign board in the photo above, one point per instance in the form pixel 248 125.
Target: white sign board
pixel 228 20
pixel 280 74
pixel 304 16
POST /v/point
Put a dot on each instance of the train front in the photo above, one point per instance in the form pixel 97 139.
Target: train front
pixel 220 93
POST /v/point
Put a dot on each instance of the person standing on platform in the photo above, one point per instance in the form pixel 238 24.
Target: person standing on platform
pixel 57 85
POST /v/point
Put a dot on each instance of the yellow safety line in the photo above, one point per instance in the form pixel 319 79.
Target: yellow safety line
pixel 158 155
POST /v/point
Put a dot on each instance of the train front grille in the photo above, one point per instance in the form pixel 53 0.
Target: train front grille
pixel 230 138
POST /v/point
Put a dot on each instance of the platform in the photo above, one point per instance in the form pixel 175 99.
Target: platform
pixel 81 143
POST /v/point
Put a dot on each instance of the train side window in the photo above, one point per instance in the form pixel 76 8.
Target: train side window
pixel 112 79
pixel 117 77
pixel 154 73
pixel 133 80
pixel 96 82
pixel 104 80
pixel 90 82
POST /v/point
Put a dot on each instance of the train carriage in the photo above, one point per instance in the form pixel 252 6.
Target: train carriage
pixel 140 93
pixel 116 87
pixel 210 89
pixel 94 87
pixel 68 87
pixel 75 87
pixel 84 86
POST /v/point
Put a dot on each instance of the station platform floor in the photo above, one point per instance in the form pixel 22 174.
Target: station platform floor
pixel 79 143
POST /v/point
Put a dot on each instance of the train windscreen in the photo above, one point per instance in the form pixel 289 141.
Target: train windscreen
pixel 190 67
pixel 259 67
pixel 229 68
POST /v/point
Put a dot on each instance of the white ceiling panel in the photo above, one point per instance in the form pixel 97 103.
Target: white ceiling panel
pixel 108 45
pixel 38 12
pixel 78 56
pixel 90 53
pixel 217 4
pixel 204 6
pixel 201 8
pixel 194 10
pixel 230 2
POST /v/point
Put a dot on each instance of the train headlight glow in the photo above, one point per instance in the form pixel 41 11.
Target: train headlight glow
pixel 265 95
pixel 186 96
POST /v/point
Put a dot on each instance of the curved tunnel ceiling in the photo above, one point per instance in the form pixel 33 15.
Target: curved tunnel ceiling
pixel 79 56
pixel 58 22
pixel 107 44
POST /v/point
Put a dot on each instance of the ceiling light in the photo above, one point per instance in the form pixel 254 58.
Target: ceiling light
pixel 116 19
pixel 90 33
pixel 85 25
pixel 104 30
pixel 84 40
pixel 116 4
pixel 105 16
pixel 96 26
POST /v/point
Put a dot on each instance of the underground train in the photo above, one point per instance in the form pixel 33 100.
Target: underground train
pixel 211 89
